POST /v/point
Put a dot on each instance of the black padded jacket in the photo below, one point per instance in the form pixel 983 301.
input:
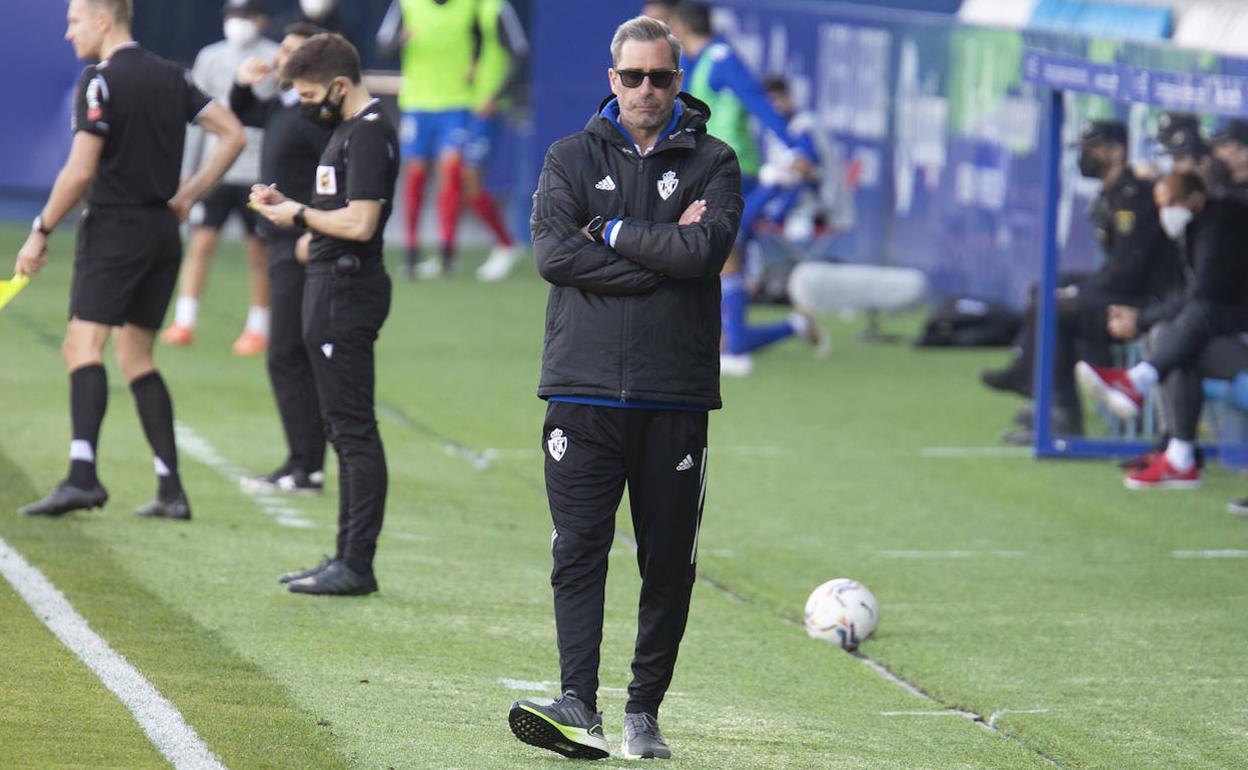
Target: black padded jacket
pixel 639 321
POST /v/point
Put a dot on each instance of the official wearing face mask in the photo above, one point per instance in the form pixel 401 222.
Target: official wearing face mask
pixel 1195 334
pixel 346 296
pixel 213 72
pixel 1139 263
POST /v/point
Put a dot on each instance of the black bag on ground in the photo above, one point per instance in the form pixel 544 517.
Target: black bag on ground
pixel 969 322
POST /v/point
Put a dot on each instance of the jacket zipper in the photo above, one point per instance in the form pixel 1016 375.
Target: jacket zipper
pixel 628 301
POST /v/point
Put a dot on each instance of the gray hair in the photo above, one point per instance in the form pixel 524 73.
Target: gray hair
pixel 643 29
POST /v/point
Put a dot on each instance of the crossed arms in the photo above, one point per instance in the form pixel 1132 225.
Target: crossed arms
pixel 645 253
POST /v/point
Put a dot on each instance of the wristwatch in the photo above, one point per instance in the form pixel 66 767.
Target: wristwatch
pixel 37 226
pixel 595 227
pixel 299 219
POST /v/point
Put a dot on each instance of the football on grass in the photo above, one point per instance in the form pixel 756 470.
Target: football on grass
pixel 842 611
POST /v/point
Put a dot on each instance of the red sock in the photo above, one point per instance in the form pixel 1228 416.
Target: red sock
pixel 414 193
pixel 483 203
pixel 449 202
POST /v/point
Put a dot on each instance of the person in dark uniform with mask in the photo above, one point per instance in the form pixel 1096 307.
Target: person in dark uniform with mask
pixel 1179 136
pixel 346 297
pixel 1140 262
pixel 1229 173
pixel 288 159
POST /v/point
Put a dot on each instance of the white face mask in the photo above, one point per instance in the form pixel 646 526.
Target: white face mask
pixel 241 31
pixel 315 9
pixel 1174 220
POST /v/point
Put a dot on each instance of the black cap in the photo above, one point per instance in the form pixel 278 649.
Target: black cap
pixel 1178 133
pixel 1235 130
pixel 1104 131
pixel 244 7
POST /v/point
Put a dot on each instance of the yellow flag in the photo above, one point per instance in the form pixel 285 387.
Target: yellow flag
pixel 9 289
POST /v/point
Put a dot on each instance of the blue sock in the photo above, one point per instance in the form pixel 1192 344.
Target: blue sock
pixel 732 309
pixel 740 338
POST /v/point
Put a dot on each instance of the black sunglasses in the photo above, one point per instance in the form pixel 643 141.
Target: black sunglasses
pixel 658 78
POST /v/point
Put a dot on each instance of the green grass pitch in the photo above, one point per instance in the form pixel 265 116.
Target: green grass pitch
pixel 1062 616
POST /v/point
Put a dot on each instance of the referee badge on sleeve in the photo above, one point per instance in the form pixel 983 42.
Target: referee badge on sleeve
pixel 326 181
pixel 557 444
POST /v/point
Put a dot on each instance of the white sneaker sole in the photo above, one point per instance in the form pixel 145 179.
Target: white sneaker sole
pixel 254 486
pixel 625 754
pixel 1114 400
pixel 1130 483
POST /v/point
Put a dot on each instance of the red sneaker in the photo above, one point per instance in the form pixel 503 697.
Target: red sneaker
pixel 1137 464
pixel 1111 388
pixel 1162 475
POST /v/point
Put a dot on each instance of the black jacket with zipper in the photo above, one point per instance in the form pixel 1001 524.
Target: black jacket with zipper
pixel 1215 263
pixel 640 321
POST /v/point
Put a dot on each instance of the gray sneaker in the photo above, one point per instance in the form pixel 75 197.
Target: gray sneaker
pixel 565 727
pixel 642 739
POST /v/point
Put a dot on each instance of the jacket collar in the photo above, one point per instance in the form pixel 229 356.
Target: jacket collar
pixel 689 118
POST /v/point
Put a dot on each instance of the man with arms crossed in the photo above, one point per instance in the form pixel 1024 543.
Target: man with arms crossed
pixel 129 130
pixel 632 221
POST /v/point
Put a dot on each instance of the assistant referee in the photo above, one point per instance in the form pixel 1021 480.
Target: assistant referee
pixel 346 297
pixel 129 129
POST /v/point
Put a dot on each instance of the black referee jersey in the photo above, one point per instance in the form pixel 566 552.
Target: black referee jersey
pixel 361 162
pixel 140 104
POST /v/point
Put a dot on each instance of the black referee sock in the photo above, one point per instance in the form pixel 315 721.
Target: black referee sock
pixel 151 397
pixel 88 399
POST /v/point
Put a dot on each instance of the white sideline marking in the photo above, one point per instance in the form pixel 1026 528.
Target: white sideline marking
pixel 161 721
pixel 945 713
pixel 478 460
pixel 992 720
pixel 198 447
pixel 961 452
pixel 409 536
pixel 951 554
pixel 1224 554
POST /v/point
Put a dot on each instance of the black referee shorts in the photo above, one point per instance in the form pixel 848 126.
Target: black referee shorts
pixel 125 265
pixel 216 206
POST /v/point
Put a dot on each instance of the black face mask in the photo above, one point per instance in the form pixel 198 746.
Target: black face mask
pixel 1090 165
pixel 325 113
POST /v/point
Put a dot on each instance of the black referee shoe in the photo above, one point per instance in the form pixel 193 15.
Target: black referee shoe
pixel 177 507
pixel 300 575
pixel 337 579
pixel 285 480
pixel 565 727
pixel 65 498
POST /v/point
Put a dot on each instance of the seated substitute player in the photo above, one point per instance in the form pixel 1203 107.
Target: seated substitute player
pixel 1201 330
pixel 1140 266
pixel 129 129
pixel 630 372
pixel 346 296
